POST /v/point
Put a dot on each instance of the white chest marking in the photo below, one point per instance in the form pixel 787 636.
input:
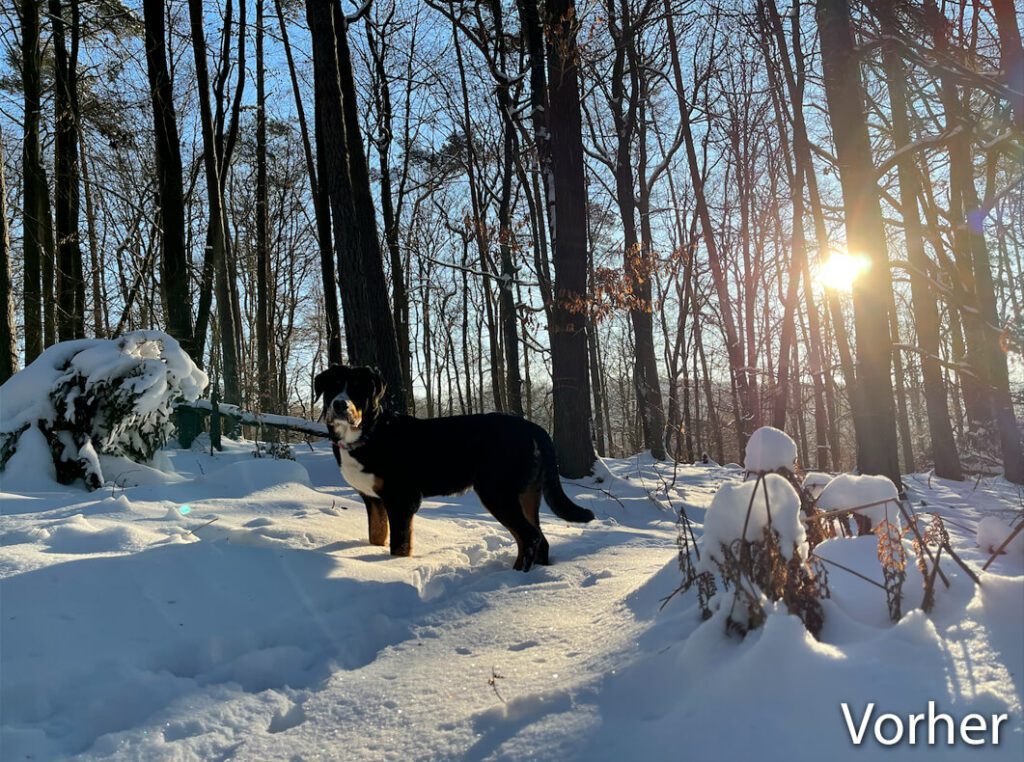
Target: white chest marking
pixel 354 474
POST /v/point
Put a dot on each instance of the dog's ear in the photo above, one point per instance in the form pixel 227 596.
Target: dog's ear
pixel 321 379
pixel 380 386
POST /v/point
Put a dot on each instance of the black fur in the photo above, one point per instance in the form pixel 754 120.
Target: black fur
pixel 507 460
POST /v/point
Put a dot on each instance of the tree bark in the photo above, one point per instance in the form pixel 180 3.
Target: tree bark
pixel 217 237
pixel 174 278
pixel 264 370
pixel 1011 56
pixel 35 192
pixel 369 325
pixel 874 417
pixel 8 341
pixel 70 285
pixel 747 412
pixel 570 382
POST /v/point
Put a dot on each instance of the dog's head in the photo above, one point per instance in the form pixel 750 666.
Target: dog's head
pixel 353 399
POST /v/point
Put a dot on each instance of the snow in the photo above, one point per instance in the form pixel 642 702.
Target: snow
pixel 814 482
pixel 992 533
pixel 739 505
pixel 134 628
pixel 850 491
pixel 859 599
pixel 770 449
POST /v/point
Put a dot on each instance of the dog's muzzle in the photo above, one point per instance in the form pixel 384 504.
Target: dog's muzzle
pixel 344 410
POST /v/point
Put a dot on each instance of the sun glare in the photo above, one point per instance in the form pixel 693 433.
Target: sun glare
pixel 841 269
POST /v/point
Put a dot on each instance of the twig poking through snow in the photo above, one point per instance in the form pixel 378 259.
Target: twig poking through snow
pixel 493 682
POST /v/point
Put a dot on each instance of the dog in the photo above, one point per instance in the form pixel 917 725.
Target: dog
pixel 394 461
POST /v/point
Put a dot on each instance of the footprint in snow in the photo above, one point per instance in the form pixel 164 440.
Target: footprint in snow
pixel 592 579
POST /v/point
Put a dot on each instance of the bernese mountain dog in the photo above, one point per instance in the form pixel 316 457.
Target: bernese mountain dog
pixel 394 461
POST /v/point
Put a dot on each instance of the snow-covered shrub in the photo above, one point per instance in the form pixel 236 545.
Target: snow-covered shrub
pixel 874 497
pixel 770 450
pixel 91 396
pixel 814 482
pixel 993 532
pixel 755 547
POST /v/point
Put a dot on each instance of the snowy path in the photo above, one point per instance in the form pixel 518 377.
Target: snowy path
pixel 132 631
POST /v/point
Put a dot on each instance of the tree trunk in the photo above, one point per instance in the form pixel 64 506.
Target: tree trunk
pixel 321 206
pixel 174 278
pixel 506 293
pixel 747 412
pixel 70 286
pixel 570 382
pixel 990 384
pixel 217 237
pixel 384 139
pixel 35 188
pixel 8 341
pixel 1011 56
pixel 874 417
pixel 369 326
pixel 264 371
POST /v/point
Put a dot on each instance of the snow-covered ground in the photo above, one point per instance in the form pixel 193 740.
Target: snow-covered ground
pixel 134 628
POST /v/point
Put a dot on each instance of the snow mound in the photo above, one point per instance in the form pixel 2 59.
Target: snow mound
pixel 773 495
pixel 815 481
pixel 770 449
pixel 89 397
pixel 992 533
pixel 858 598
pixel 849 491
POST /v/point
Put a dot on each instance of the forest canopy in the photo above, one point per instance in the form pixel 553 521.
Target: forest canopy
pixel 647 224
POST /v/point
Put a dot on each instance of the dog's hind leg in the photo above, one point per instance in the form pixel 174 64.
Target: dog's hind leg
pixel 508 511
pixel 529 501
pixel 377 518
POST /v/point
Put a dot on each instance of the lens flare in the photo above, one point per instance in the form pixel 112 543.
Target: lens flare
pixel 185 510
pixel 841 270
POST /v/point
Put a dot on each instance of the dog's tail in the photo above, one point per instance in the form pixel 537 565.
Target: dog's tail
pixel 554 495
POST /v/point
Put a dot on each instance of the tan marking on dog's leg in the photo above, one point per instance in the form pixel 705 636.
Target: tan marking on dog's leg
pixel 378 520
pixel 529 500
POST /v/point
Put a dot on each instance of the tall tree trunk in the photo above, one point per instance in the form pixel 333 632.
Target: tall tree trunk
pixel 217 237
pixel 321 206
pixel 369 325
pixel 264 370
pixel 70 286
pixel 174 277
pixel 874 417
pixel 625 108
pixel 570 382
pixel 8 341
pixel 982 325
pixel 35 190
pixel 506 293
pixel 747 412
pixel 384 139
pixel 1011 56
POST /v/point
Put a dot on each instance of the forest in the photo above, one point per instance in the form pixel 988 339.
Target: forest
pixel 645 224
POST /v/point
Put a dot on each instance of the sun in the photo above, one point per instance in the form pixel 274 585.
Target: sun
pixel 841 269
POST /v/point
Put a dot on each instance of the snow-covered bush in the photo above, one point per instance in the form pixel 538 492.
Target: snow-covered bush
pixel 993 532
pixel 770 450
pixel 755 547
pixel 814 482
pixel 874 497
pixel 93 396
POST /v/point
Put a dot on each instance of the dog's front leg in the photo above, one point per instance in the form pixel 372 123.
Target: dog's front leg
pixel 400 515
pixel 377 518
